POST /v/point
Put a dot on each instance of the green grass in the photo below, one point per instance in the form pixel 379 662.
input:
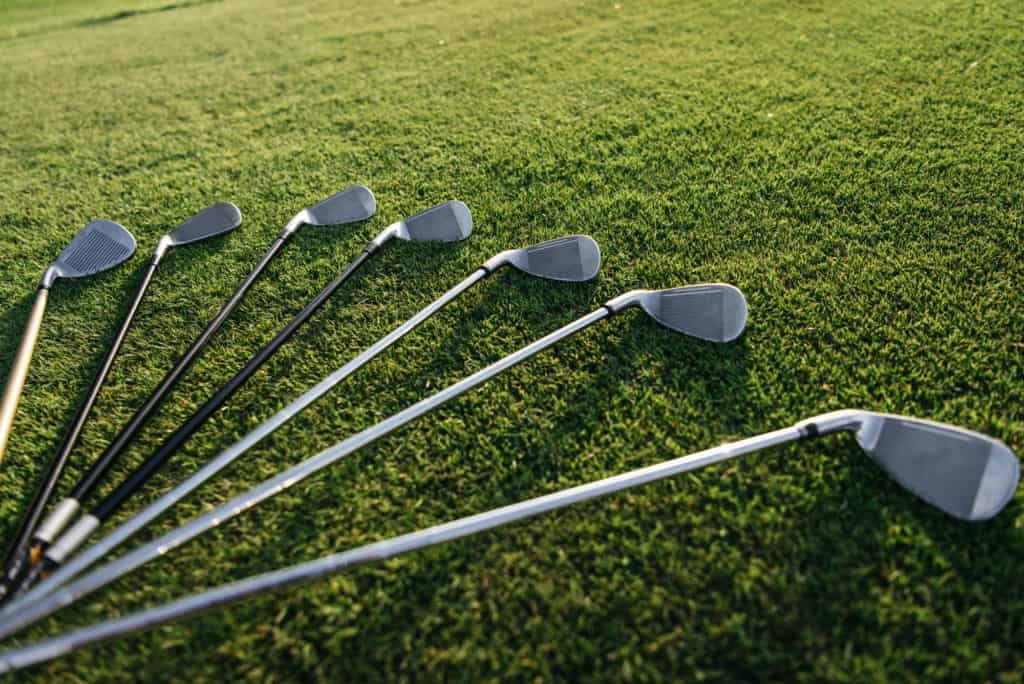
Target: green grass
pixel 855 168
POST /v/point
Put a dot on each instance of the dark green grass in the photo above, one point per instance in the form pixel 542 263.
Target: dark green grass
pixel 856 169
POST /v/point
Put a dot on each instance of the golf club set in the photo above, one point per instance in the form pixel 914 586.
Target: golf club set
pixel 966 474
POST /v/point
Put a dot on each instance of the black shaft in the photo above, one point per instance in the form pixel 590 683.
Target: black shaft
pixel 17 552
pixel 147 468
pixel 128 432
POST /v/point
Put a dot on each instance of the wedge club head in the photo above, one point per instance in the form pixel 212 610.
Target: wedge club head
pixel 716 312
pixel 216 219
pixel 966 474
pixel 356 203
pixel 446 222
pixel 97 247
pixel 575 258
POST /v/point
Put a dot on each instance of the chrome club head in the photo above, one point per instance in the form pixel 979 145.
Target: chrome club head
pixel 575 258
pixel 356 203
pixel 966 474
pixel 716 312
pixel 350 205
pixel 216 219
pixel 446 222
pixel 100 245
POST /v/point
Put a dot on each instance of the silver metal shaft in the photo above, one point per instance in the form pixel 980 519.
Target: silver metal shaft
pixel 126 530
pixel 28 613
pixel 389 548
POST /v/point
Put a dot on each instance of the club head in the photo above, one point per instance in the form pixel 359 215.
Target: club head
pixel 216 219
pixel 716 312
pixel 444 223
pixel 100 245
pixel 966 474
pixel 574 259
pixel 356 203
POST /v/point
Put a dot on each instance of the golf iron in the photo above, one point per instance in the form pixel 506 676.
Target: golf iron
pixel 965 474
pixel 715 312
pixel 97 247
pixel 575 258
pixel 347 206
pixel 216 219
pixel 445 222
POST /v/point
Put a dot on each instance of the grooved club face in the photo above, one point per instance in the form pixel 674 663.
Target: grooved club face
pixel 575 258
pixel 715 312
pixel 97 247
pixel 446 222
pixel 963 473
pixel 356 203
pixel 216 219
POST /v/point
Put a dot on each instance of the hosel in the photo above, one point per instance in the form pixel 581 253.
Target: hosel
pixel 625 301
pixel 845 420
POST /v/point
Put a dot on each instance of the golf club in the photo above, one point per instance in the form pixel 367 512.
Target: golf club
pixel 966 474
pixel 715 312
pixel 446 222
pixel 97 247
pixel 575 258
pixel 216 219
pixel 347 206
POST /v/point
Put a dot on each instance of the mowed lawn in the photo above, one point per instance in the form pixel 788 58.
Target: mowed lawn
pixel 857 169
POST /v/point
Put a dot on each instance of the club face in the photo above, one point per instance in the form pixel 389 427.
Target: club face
pixel 963 473
pixel 715 312
pixel 575 258
pixel 100 245
pixel 216 219
pixel 356 203
pixel 446 222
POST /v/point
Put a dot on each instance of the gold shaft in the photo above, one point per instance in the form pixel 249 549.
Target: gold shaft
pixel 16 380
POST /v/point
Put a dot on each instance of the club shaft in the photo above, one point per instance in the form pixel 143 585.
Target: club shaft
pixel 19 369
pixel 389 548
pixel 109 505
pixel 92 478
pixel 79 562
pixel 18 551
pixel 277 484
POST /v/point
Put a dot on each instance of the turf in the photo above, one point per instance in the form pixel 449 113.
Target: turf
pixel 855 168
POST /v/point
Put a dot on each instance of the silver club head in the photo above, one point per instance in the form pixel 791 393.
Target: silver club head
pixel 216 219
pixel 966 474
pixel 356 203
pixel 716 312
pixel 574 258
pixel 446 222
pixel 347 206
pixel 100 245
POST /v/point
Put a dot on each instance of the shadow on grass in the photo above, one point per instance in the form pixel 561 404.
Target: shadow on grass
pixel 107 19
pixel 128 14
pixel 874 536
pixel 639 342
